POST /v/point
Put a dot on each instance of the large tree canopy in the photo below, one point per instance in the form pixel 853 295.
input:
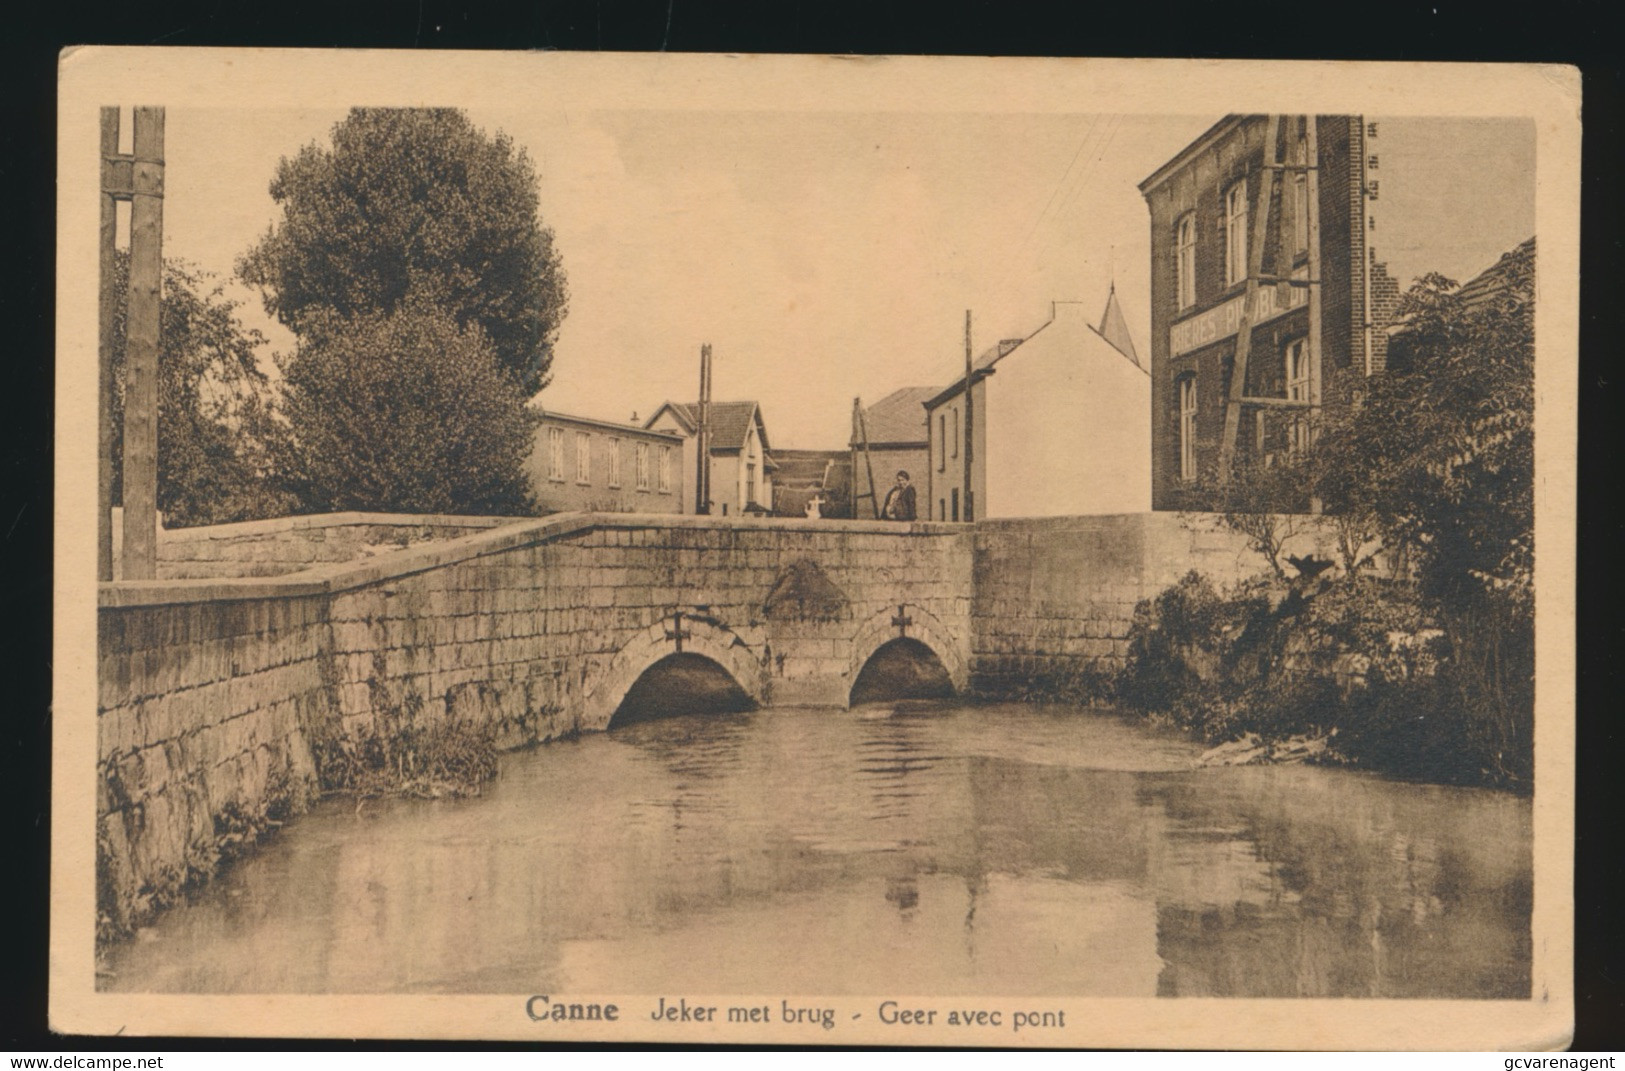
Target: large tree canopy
pixel 215 429
pixel 414 203
pixel 406 412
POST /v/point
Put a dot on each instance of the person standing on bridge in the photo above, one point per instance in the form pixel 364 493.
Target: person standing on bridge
pixel 899 500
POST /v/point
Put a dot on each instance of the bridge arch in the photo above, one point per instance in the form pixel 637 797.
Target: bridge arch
pixel 922 626
pixel 700 636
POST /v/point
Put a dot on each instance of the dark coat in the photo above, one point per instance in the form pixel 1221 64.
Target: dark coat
pixel 899 504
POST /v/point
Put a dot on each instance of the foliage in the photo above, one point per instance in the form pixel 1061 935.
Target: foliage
pixel 406 412
pixel 1441 451
pixel 1182 645
pixel 414 206
pixel 1440 457
pixel 1258 502
pixel 1359 663
pixel 1434 461
pixel 216 431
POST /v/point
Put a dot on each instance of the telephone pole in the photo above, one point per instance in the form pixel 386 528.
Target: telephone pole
pixel 970 428
pixel 137 177
pixel 702 436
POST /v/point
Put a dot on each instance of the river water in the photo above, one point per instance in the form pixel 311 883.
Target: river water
pixel 923 847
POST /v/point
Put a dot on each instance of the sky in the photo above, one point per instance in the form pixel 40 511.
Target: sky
pixel 833 255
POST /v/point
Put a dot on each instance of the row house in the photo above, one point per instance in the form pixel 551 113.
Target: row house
pixel 1057 426
pixel 741 468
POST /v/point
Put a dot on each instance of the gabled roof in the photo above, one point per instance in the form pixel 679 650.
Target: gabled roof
pixel 986 364
pixel 730 422
pixel 899 417
pixel 1508 279
pixel 1498 280
pixel 1114 328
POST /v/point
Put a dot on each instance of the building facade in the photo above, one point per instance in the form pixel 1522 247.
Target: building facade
pixel 1322 299
pixel 741 467
pixel 891 436
pixel 579 463
pixel 1058 426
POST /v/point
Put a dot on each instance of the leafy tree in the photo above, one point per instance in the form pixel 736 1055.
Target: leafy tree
pixel 1440 458
pixel 406 412
pixel 216 429
pixel 414 204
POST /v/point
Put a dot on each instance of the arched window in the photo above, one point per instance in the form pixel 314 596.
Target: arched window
pixel 1187 427
pixel 1185 260
pixel 1235 234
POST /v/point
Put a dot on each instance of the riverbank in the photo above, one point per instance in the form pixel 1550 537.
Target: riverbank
pixel 1325 671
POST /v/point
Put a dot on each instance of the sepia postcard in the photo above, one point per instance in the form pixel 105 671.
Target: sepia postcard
pixel 815 550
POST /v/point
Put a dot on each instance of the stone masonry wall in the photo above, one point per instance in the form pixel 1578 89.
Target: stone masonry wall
pixel 204 709
pixel 285 545
pixel 1054 598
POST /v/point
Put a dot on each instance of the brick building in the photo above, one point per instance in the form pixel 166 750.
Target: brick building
pixel 894 433
pixel 1323 299
pixel 579 463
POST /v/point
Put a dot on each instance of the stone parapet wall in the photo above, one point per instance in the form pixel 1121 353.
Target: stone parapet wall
pixel 1054 598
pixel 285 545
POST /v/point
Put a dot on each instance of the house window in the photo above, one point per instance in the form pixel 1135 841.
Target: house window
pixel 614 462
pixel 956 432
pixel 1299 388
pixel 1185 261
pixel 583 457
pixel 1187 428
pixel 953 496
pixel 942 510
pixel 643 466
pixel 750 482
pixel 665 470
pixel 1235 234
pixel 555 453
pixel 1300 201
pixel 942 442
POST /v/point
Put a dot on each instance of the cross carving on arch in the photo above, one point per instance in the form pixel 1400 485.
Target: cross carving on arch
pixel 902 620
pixel 677 632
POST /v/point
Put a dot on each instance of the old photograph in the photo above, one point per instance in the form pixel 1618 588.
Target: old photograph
pixel 707 549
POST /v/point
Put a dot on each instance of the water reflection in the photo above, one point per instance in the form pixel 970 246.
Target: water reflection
pixel 914 847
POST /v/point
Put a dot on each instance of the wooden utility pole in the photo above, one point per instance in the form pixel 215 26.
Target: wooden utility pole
pixel 1311 195
pixel 861 427
pixel 107 311
pixel 970 429
pixel 1267 180
pixel 702 436
pixel 138 178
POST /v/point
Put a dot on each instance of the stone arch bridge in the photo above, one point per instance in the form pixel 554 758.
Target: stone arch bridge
pixel 534 628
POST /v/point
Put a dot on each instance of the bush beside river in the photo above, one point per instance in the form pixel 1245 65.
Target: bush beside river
pixel 1326 670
